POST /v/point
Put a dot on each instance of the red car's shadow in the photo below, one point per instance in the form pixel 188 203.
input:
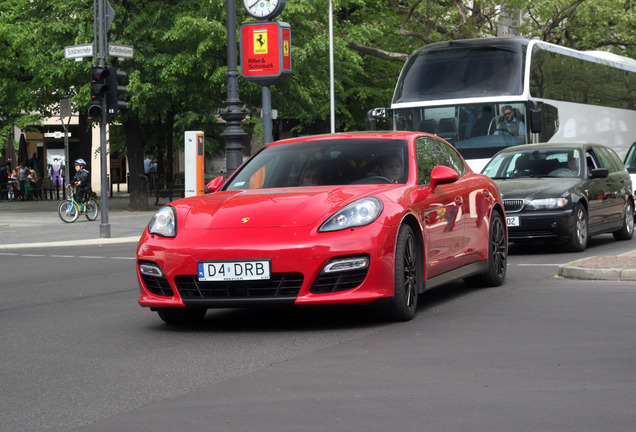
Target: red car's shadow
pixel 322 318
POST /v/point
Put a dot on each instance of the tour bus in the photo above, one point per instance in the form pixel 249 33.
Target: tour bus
pixel 460 91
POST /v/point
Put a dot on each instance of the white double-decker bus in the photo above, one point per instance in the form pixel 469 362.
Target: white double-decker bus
pixel 460 90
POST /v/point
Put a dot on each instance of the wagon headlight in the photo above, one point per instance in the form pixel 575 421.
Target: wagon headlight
pixel 356 214
pixel 547 204
pixel 164 222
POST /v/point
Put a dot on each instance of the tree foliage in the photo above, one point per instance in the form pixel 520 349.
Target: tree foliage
pixel 177 79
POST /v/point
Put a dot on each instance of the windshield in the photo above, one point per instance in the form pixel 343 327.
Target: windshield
pixel 535 163
pixel 478 131
pixel 465 72
pixel 325 162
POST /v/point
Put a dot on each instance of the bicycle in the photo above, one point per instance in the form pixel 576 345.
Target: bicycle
pixel 70 209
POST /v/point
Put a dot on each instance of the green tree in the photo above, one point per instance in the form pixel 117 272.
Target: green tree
pixel 177 80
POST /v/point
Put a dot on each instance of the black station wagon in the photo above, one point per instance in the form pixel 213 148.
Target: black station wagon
pixel 563 192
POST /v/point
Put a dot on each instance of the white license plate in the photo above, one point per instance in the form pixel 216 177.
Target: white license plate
pixel 234 270
pixel 512 221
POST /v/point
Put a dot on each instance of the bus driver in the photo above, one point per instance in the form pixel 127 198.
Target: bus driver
pixel 510 125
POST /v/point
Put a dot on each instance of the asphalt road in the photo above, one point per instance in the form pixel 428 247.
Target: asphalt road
pixel 540 353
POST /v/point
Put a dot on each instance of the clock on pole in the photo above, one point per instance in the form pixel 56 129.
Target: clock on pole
pixel 264 10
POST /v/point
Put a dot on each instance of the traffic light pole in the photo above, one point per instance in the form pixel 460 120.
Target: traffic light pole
pixel 104 227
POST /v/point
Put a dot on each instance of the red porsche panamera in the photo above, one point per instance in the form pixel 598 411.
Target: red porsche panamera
pixel 355 218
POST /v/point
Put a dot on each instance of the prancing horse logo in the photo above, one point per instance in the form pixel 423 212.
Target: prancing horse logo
pixel 245 220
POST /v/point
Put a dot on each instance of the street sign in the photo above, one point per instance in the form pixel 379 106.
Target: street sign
pixel 120 51
pixel 110 16
pixel 78 51
pixel 56 134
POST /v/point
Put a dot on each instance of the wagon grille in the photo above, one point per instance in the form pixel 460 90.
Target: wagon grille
pixel 281 285
pixel 512 206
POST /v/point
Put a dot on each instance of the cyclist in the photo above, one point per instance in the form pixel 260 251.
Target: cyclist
pixel 82 180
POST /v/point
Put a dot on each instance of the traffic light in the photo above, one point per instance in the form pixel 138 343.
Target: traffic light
pixel 95 111
pixel 99 89
pixel 113 104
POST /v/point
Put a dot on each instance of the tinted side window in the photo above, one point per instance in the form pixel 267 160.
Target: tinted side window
pixel 607 160
pixel 630 160
pixel 618 163
pixel 564 77
pixel 430 153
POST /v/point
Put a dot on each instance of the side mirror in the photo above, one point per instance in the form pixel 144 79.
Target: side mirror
pixel 599 173
pixel 214 184
pixel 441 175
pixel 534 117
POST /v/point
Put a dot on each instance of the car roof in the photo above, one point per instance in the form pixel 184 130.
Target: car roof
pixel 405 135
pixel 552 145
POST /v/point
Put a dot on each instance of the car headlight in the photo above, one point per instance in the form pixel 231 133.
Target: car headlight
pixel 356 214
pixel 164 222
pixel 547 204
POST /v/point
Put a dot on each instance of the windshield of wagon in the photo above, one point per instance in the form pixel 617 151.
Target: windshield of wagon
pixel 324 162
pixel 535 163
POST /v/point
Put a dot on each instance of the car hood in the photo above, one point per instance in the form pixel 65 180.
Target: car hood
pixel 260 208
pixel 529 187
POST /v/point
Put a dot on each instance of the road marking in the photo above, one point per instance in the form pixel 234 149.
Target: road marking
pixel 66 256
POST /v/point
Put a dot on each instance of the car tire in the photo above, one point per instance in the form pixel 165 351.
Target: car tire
pixel 181 316
pixel 578 241
pixel 497 255
pixel 407 277
pixel 627 231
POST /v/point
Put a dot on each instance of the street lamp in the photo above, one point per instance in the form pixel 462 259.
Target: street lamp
pixel 233 113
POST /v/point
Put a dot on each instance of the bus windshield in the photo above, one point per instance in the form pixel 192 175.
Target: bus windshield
pixel 478 131
pixel 460 72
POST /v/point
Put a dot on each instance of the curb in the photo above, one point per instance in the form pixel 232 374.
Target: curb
pixel 575 272
pixel 71 243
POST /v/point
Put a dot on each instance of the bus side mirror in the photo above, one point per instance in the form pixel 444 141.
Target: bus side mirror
pixel 535 120
pixel 371 121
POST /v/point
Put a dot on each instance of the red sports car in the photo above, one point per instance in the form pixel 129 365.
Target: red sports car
pixel 353 218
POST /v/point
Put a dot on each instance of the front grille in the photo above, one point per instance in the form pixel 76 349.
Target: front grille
pixel 339 281
pixel 157 285
pixel 279 285
pixel 513 205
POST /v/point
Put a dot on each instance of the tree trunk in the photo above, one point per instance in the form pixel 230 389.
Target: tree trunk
pixel 137 181
pixel 169 135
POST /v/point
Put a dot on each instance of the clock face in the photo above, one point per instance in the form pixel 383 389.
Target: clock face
pixel 264 9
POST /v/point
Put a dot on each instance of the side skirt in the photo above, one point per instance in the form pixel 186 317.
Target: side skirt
pixel 459 273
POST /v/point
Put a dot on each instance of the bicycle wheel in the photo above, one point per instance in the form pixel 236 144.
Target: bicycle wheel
pixel 68 211
pixel 92 209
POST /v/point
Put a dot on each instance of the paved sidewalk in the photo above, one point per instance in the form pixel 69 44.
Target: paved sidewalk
pixel 30 224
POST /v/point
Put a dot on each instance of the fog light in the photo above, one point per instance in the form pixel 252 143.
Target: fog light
pixel 346 264
pixel 150 270
pixel 554 224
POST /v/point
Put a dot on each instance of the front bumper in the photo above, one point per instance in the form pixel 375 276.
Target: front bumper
pixel 297 262
pixel 537 225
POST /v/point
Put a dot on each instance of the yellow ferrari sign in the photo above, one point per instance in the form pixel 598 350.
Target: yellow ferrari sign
pixel 260 41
